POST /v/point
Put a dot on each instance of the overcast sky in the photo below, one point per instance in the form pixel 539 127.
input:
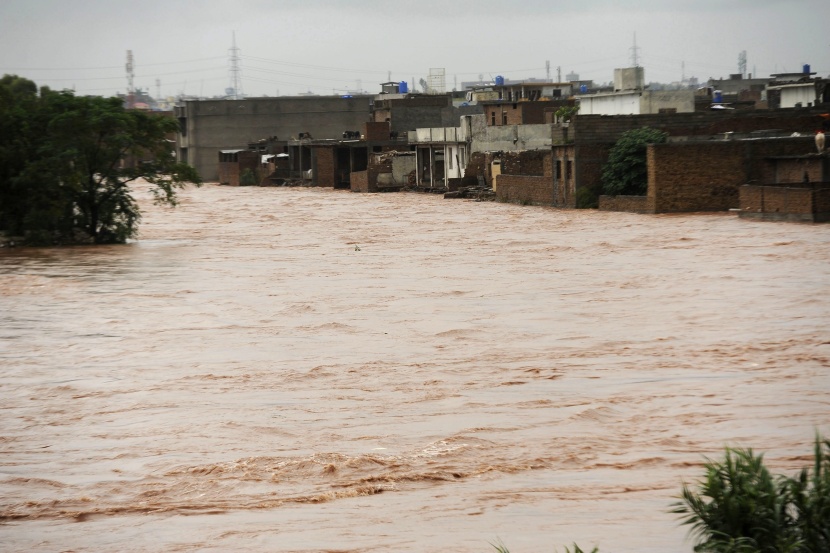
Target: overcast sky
pixel 333 46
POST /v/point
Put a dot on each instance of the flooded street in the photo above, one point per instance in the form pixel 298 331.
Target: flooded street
pixel 305 370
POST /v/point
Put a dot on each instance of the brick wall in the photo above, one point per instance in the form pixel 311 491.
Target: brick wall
pixel 794 171
pixel 475 167
pixel 524 189
pixel 230 172
pixel 631 204
pixel 376 130
pixel 324 167
pixel 529 163
pixel 563 174
pixel 808 203
pixel 695 176
pixel 366 181
pixel 821 204
pixel 608 128
pixel 360 181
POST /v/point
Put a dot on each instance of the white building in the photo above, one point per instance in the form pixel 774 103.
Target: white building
pixel 637 102
pixel 796 94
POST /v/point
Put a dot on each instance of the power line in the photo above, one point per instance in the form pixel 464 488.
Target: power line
pixel 107 66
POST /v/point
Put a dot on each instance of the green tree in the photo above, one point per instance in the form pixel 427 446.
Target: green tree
pixel 625 173
pixel 808 498
pixel 739 507
pixel 63 175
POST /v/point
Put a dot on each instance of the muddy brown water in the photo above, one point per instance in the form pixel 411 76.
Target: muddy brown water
pixel 314 370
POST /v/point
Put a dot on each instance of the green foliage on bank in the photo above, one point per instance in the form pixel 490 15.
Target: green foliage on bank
pixel 626 173
pixel 740 507
pixel 62 179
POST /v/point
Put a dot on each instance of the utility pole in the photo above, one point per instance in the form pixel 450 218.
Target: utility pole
pixel 130 78
pixel 742 64
pixel 635 58
pixel 547 70
pixel 236 77
pixel 558 73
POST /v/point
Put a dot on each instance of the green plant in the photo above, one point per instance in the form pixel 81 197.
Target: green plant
pixel 586 199
pixel 247 178
pixel 740 507
pixel 808 499
pixel 566 113
pixel 578 549
pixel 625 172
pixel 500 547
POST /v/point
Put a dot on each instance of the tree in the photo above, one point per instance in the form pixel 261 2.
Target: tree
pixel 739 507
pixel 65 174
pixel 626 173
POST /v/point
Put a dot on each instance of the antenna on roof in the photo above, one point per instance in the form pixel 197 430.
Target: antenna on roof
pixel 236 73
pixel 130 76
pixel 635 58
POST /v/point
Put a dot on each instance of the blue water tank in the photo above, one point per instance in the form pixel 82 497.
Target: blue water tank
pixel 718 97
pixel 806 69
pixel 499 80
pixel 403 88
pixel 583 88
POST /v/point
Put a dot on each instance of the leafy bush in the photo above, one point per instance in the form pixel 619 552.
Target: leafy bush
pixel 247 178
pixel 626 172
pixel 739 507
pixel 586 199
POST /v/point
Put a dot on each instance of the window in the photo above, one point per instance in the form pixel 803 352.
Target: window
pixel 569 169
pixel 504 118
pixel 493 118
pixel 558 169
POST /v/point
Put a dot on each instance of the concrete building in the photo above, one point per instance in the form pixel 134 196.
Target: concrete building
pixel 207 126
pixel 637 102
pixel 629 78
pixel 407 112
pixel 580 149
pixel 712 176
pixel 441 154
pixel 798 90
pixel 351 162
pixel 499 113
pixel 797 95
pixel 630 97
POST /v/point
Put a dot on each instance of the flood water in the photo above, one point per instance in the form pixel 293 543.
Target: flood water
pixel 304 370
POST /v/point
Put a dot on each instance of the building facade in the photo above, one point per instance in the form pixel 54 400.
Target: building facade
pixel 208 126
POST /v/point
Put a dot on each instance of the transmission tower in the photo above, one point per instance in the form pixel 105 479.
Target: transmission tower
pixel 130 78
pixel 547 70
pixel 635 57
pixel 158 89
pixel 236 73
pixel 742 64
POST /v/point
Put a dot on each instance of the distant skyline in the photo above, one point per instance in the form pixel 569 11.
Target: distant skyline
pixel 333 47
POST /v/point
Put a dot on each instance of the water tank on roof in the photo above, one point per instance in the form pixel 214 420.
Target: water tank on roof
pixel 403 88
pixel 499 80
pixel 718 97
pixel 583 88
pixel 806 69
